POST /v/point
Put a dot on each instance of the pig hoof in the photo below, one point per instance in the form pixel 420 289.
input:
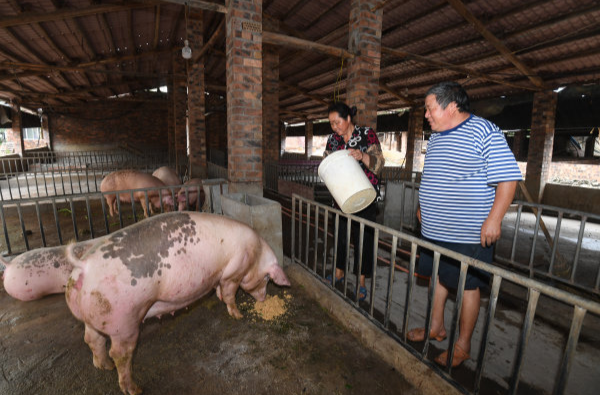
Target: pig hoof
pixel 105 364
pixel 234 312
pixel 130 389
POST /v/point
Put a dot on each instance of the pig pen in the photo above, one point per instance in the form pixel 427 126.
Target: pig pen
pixel 200 349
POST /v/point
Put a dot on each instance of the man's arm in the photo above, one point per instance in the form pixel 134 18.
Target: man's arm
pixel 491 228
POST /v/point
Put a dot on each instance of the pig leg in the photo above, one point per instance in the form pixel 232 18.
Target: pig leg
pixel 227 290
pixel 109 202
pixel 121 351
pixel 145 208
pixel 97 343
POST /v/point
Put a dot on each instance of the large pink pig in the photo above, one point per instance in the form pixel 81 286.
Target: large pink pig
pixel 195 195
pixel 121 180
pixel 37 273
pixel 157 266
pixel 167 175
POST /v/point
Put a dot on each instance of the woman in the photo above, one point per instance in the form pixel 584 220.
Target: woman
pixel 363 145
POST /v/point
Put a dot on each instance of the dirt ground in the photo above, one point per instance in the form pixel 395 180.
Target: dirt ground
pixel 200 349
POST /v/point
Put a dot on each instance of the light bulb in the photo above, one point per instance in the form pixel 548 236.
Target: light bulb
pixel 186 51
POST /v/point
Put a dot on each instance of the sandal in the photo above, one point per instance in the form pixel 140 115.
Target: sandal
pixel 362 291
pixel 418 335
pixel 459 357
pixel 337 280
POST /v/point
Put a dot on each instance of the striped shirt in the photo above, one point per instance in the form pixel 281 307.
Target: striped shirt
pixel 462 167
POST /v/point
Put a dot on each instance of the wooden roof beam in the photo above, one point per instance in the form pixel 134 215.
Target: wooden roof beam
pixel 27 18
pixel 211 41
pixel 203 5
pixel 288 41
pixel 304 93
pixel 459 6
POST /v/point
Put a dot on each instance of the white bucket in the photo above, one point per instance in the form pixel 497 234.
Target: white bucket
pixel 346 181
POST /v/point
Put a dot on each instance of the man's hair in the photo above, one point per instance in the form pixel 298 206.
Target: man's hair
pixel 448 92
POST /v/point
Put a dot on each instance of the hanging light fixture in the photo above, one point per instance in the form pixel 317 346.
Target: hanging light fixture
pixel 186 51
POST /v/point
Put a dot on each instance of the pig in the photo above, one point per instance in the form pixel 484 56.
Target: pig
pixel 157 266
pixel 132 179
pixel 37 273
pixel 167 175
pixel 195 195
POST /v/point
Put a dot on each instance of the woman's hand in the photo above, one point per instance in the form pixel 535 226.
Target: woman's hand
pixel 356 154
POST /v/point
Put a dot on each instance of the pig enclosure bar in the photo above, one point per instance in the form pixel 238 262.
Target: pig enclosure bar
pixel 48 173
pixel 553 244
pixel 502 346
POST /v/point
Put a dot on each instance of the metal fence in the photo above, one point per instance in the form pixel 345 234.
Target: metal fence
pixel 395 301
pixel 50 173
pixel 546 242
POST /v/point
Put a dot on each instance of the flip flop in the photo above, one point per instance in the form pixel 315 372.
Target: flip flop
pixel 459 357
pixel 362 291
pixel 337 280
pixel 418 335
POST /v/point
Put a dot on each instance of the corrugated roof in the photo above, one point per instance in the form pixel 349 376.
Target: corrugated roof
pixel 85 51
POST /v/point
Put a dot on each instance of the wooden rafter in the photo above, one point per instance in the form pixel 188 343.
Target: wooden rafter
pixel 204 5
pixel 392 92
pixel 459 6
pixel 449 66
pixel 280 39
pixel 211 41
pixel 304 93
pixel 156 27
pixel 27 18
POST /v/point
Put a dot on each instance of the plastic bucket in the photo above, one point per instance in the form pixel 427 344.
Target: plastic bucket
pixel 346 181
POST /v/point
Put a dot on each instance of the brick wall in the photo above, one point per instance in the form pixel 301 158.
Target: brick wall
pixel 106 126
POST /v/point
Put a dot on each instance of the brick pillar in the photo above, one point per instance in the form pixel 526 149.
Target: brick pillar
pixel 518 147
pixel 46 136
pixel 244 95
pixel 196 101
pixel 14 135
pixel 308 139
pixel 414 142
pixel 171 121
pixel 282 136
pixel 539 159
pixel 362 85
pixel 270 107
pixel 179 113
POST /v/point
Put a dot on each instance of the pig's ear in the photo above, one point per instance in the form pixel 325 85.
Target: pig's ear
pixel 278 276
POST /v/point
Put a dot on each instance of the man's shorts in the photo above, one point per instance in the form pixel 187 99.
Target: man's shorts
pixel 449 269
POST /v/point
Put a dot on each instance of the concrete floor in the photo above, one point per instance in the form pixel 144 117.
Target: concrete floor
pixel 199 350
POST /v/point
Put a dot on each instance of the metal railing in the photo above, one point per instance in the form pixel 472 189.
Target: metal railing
pixel 392 289
pixel 569 255
pixel 546 242
pixel 50 173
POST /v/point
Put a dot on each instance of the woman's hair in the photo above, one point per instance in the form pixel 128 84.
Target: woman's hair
pixel 448 92
pixel 342 109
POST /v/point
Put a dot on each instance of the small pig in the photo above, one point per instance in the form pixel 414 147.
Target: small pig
pixel 132 179
pixel 157 266
pixel 167 175
pixel 195 195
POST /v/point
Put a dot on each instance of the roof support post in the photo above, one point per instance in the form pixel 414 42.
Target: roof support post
pixel 362 84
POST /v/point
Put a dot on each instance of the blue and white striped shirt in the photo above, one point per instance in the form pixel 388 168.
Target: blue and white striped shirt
pixel 462 167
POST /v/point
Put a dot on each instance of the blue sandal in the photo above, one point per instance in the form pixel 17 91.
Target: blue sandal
pixel 337 280
pixel 362 291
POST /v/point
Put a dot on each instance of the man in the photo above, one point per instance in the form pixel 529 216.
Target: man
pixel 468 182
